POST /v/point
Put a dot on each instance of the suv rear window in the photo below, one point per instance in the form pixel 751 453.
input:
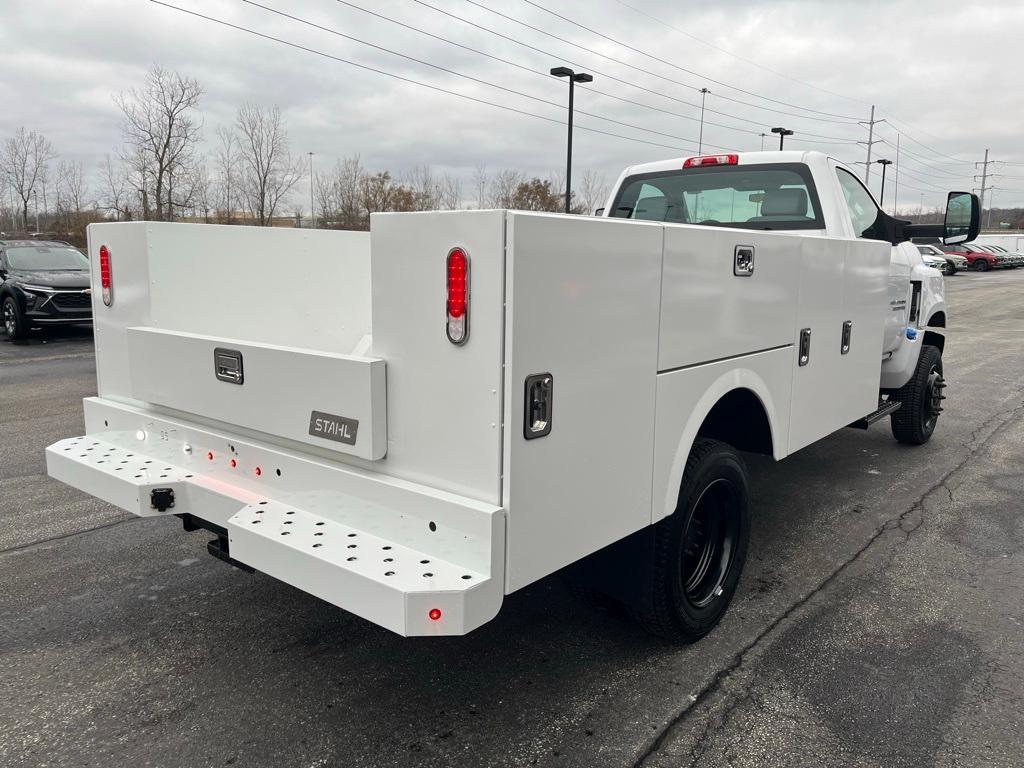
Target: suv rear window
pixel 765 196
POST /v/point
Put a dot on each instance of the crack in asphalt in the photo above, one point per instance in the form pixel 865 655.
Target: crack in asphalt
pixel 722 675
pixel 61 537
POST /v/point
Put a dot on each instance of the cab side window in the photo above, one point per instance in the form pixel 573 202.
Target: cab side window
pixel 863 212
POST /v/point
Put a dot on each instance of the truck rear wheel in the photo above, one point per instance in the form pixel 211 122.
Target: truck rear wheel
pixel 921 399
pixel 700 549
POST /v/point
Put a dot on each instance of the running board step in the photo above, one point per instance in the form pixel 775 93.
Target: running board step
pixel 887 408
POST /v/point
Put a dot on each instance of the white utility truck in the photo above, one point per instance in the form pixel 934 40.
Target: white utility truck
pixel 432 415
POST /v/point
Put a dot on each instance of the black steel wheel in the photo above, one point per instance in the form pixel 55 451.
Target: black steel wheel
pixel 700 550
pixel 921 398
pixel 15 325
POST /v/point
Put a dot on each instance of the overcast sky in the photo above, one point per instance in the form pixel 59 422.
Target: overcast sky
pixel 948 75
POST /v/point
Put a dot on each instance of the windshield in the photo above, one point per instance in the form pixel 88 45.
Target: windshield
pixel 44 258
pixel 765 196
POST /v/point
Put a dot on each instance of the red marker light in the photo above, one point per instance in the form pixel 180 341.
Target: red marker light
pixel 257 471
pixel 233 463
pixel 105 281
pixel 700 162
pixel 209 455
pixel 435 614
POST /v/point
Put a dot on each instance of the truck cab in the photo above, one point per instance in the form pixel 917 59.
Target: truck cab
pixel 796 192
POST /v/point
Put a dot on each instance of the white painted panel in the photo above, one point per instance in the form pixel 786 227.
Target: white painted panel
pixel 707 312
pixel 583 306
pixel 290 287
pixel 129 268
pixel 832 391
pixel 685 397
pixel 281 387
pixel 444 400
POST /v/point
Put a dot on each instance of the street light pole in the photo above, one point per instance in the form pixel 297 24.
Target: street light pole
pixel 35 202
pixel 700 138
pixel 881 195
pixel 783 133
pixel 763 134
pixel 574 77
pixel 312 210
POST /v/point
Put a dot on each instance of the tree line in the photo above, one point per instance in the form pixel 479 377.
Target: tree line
pixel 163 171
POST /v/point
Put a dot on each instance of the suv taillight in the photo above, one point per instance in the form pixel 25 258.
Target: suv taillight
pixel 458 296
pixel 105 281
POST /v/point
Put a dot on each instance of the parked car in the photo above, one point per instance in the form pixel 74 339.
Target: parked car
pixel 1013 259
pixel 979 260
pixel 954 261
pixel 43 283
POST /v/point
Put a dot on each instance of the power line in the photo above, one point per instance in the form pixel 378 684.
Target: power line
pixel 736 55
pixel 681 69
pixel 405 79
pixel 620 62
pixel 826 139
pixel 471 78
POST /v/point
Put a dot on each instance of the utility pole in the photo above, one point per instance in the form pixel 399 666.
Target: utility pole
pixel 312 210
pixel 700 137
pixel 984 180
pixel 896 178
pixel 870 142
pixel 35 202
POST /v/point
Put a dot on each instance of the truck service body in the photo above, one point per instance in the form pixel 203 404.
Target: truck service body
pixel 457 404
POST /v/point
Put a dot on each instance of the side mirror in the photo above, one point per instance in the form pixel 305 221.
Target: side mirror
pixel 599 212
pixel 963 218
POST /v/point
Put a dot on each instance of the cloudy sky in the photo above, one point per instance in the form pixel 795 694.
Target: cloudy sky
pixel 946 76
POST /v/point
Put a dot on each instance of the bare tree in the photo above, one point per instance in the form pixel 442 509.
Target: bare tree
pixel 227 161
pixel 593 190
pixel 24 161
pixel 269 170
pixel 71 193
pixel 503 189
pixel 480 181
pixel 116 195
pixel 162 134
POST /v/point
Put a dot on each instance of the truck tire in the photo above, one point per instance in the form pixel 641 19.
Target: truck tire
pixel 15 324
pixel 922 396
pixel 700 549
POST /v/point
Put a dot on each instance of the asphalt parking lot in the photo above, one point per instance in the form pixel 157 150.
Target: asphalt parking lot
pixel 880 620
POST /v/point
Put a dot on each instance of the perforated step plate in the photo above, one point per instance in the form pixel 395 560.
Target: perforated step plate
pixel 404 589
pixel 409 559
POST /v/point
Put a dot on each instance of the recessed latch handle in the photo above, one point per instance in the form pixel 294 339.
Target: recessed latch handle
pixel 227 365
pixel 743 261
pixel 540 388
pixel 805 347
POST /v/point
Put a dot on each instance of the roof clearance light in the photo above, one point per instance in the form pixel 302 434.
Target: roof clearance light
pixel 105 281
pixel 700 162
pixel 458 296
pixel 435 614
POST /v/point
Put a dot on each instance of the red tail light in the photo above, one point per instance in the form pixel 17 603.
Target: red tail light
pixel 105 281
pixel 700 162
pixel 458 296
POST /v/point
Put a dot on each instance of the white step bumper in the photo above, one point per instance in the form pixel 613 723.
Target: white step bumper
pixel 409 558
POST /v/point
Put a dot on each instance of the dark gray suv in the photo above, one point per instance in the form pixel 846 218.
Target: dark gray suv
pixel 42 283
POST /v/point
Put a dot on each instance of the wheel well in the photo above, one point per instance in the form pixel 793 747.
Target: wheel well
pixel 740 420
pixel 938 320
pixel 935 339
